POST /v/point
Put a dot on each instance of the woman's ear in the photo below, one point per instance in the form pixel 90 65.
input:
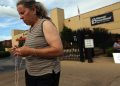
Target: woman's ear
pixel 34 10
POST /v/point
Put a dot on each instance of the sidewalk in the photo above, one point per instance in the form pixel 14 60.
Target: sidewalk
pixel 103 72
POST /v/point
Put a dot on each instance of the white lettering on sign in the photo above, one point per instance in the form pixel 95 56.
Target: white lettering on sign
pixel 103 18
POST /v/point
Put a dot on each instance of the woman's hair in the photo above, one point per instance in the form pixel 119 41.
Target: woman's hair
pixel 40 9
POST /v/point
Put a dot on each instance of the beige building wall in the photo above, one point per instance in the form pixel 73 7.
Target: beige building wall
pixel 114 27
pixel 57 16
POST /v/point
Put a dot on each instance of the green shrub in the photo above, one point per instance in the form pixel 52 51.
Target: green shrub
pixel 109 51
pixel 7 54
pixel 4 54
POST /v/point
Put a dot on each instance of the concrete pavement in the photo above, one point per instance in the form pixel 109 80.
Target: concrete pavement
pixel 103 72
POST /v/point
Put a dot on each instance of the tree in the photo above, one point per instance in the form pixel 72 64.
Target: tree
pixel 102 38
pixel 2 48
pixel 66 36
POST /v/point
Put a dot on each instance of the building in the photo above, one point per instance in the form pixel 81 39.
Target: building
pixel 6 44
pixel 106 17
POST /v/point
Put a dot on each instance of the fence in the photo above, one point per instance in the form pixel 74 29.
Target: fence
pixel 74 54
pixel 71 54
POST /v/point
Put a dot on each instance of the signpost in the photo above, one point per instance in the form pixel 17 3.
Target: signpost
pixel 89 48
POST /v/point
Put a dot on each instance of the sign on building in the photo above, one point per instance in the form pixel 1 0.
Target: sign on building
pixel 100 19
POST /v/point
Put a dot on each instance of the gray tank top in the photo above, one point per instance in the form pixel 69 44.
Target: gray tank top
pixel 37 66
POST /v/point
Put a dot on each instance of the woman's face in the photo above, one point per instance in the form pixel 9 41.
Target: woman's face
pixel 26 14
pixel 119 41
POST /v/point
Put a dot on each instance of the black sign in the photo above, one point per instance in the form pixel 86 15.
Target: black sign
pixel 100 19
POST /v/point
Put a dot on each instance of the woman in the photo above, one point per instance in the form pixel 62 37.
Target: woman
pixel 116 46
pixel 42 46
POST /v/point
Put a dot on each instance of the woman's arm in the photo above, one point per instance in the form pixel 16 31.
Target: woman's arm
pixel 52 37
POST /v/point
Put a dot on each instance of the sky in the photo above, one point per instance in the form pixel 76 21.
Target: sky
pixel 9 18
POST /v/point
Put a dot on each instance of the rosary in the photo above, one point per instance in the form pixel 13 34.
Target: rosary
pixel 18 63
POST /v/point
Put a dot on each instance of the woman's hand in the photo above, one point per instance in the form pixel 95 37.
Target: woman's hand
pixel 23 51
pixel 12 51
